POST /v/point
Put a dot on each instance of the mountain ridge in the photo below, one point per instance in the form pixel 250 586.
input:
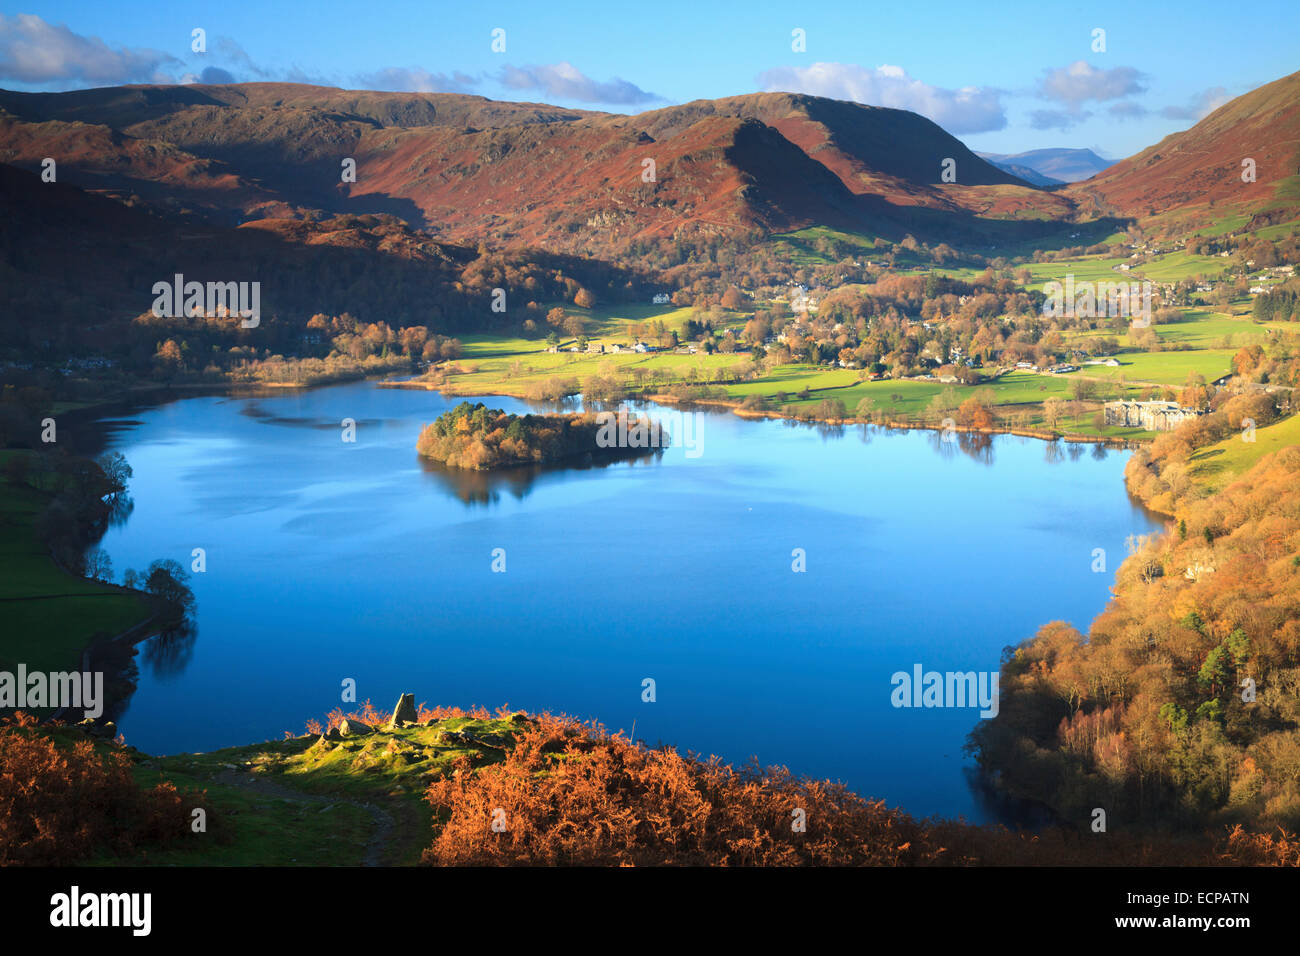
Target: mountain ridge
pixel 515 173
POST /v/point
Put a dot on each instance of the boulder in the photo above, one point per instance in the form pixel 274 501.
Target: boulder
pixel 404 713
pixel 355 728
pixel 106 730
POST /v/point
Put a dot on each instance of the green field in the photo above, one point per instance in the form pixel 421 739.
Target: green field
pixel 1214 466
pixel 809 247
pixel 50 615
pixel 1202 329
pixel 1163 368
pixel 1176 266
pixel 1084 269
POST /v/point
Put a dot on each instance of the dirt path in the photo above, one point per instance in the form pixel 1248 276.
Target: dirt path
pixel 383 820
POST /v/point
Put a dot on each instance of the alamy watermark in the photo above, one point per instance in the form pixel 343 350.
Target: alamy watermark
pixel 76 690
pixel 1095 300
pixel 123 910
pixel 178 299
pixel 620 430
pixel 922 688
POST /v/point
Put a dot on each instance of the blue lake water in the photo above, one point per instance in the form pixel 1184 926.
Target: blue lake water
pixel 329 560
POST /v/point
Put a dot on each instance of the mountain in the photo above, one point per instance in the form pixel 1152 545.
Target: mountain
pixel 1188 173
pixel 470 169
pixel 1049 167
pixel 1031 176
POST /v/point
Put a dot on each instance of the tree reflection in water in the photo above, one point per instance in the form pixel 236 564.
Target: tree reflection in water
pixel 169 653
pixel 486 487
pixel 977 446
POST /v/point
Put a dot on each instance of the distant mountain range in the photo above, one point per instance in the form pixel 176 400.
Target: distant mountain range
pixel 1050 167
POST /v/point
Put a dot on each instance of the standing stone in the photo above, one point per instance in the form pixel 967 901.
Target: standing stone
pixel 404 712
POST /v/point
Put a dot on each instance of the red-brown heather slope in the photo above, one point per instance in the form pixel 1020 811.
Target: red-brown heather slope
pixel 104 159
pixel 473 169
pixel 1203 165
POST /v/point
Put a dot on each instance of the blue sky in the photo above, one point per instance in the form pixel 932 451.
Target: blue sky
pixel 1004 77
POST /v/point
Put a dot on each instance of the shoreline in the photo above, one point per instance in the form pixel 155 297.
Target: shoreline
pixel 102 650
pixel 145 395
pixel 736 408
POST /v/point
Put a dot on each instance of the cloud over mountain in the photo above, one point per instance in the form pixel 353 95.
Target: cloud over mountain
pixel 413 79
pixel 967 110
pixel 565 81
pixel 34 51
pixel 1201 106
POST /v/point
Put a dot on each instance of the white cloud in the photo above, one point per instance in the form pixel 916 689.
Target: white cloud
pixel 1127 109
pixel 967 110
pixel 1201 106
pixel 1081 81
pixel 565 81
pixel 412 79
pixel 1056 119
pixel 33 51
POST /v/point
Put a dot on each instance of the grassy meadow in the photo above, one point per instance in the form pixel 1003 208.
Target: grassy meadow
pixel 50 614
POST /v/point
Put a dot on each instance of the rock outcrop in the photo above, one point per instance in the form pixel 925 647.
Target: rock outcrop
pixel 404 714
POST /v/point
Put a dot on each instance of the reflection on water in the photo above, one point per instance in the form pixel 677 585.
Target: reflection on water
pixel 977 446
pixel 329 560
pixel 485 487
pixel 120 507
pixel 169 653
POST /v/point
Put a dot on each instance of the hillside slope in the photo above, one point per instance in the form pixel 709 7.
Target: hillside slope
pixel 470 169
pixel 1187 173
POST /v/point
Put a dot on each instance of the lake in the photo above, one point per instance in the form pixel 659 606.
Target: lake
pixel 328 560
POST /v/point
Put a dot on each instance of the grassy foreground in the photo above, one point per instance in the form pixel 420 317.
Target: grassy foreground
pixel 471 788
pixel 313 801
